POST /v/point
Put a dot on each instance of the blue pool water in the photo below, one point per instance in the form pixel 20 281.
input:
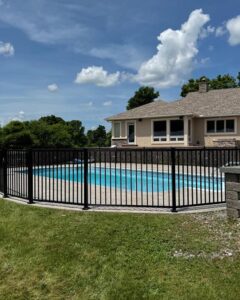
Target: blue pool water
pixel 146 181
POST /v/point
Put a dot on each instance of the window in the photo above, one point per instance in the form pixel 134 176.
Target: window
pixel 171 130
pixel 221 126
pixel 131 133
pixel 189 130
pixel 230 126
pixel 116 130
pixel 160 131
pixel 176 130
pixel 210 126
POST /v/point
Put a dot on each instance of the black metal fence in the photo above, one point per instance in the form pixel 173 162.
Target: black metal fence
pixel 150 177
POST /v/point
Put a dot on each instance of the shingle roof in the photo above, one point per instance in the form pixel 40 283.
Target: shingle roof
pixel 214 103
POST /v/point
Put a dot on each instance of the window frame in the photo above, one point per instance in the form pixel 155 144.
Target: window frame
pixel 169 138
pixel 135 133
pixel 113 130
pixel 176 138
pixel 162 138
pixel 225 132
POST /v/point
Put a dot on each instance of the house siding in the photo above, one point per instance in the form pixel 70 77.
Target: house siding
pixel 198 132
pixel 210 140
pixel 199 136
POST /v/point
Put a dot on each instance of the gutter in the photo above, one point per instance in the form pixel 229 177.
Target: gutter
pixel 152 117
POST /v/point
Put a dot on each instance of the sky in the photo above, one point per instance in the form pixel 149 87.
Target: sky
pixel 84 59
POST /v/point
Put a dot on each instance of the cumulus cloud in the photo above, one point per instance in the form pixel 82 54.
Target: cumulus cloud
pixel 6 49
pixel 233 27
pixel 107 103
pixel 53 87
pixel 98 76
pixel 174 60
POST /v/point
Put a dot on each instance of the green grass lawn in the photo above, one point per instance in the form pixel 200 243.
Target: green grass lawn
pixel 57 254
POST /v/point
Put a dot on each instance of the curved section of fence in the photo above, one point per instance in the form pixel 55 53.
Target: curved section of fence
pixel 154 177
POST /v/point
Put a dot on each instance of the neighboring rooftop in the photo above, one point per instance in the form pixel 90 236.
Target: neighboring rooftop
pixel 212 103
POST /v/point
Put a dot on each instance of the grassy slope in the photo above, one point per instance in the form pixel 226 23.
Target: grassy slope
pixel 54 254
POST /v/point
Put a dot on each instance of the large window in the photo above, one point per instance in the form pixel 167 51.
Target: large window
pixel 176 130
pixel 221 126
pixel 117 130
pixel 168 130
pixel 159 131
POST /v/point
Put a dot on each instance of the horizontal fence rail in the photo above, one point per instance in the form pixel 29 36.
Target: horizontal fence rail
pixel 142 177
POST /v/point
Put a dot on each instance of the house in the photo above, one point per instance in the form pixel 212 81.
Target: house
pixel 203 118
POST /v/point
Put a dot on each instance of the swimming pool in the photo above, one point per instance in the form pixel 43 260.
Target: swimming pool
pixel 145 181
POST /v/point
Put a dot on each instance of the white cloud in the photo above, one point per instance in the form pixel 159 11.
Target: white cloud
pixel 98 76
pixel 107 103
pixel 43 21
pixel 118 54
pixel 205 32
pixel 174 60
pixel 233 27
pixel 220 31
pixel 6 49
pixel 53 87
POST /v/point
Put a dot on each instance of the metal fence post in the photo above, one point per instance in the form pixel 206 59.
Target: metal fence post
pixel 5 181
pixel 30 175
pixel 85 164
pixel 173 161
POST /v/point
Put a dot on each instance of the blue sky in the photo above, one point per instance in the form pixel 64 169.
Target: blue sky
pixel 84 59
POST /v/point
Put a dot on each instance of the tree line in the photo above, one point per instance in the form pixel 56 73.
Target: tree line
pixel 52 131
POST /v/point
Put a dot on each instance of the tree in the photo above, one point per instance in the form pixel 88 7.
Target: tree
pixel 16 134
pixel 238 78
pixel 60 136
pixel 55 134
pixel 109 138
pixel 1 137
pixel 76 131
pixel 50 120
pixel 220 82
pixel 18 139
pixel 13 127
pixel 142 96
pixel 50 132
pixel 97 137
pixel 40 133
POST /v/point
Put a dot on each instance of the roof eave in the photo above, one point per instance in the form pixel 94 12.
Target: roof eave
pixel 152 117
